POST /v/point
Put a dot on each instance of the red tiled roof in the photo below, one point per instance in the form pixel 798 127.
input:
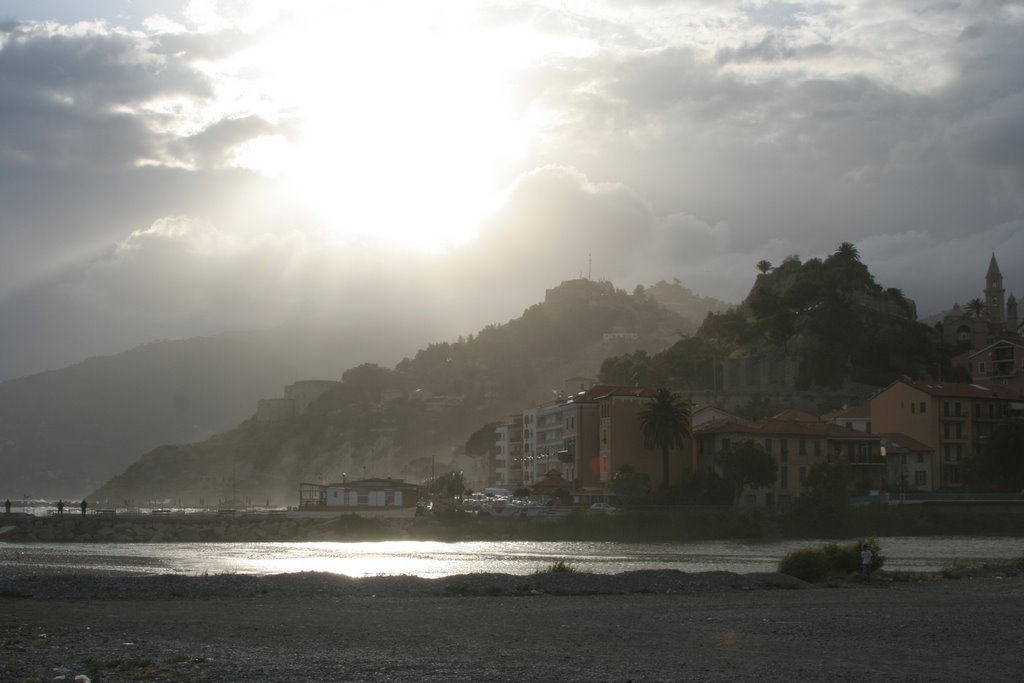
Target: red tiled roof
pixel 954 390
pixel 773 427
pixel 794 415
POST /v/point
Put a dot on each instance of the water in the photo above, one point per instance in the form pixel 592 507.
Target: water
pixel 434 559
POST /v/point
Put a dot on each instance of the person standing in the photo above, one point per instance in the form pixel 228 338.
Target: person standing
pixel 60 507
pixel 7 506
pixel 83 506
pixel 865 562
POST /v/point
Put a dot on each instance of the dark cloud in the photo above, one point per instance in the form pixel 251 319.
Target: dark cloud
pixel 771 48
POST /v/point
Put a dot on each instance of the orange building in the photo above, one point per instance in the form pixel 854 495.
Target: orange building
pixel 953 420
pixel 622 440
pixel 797 445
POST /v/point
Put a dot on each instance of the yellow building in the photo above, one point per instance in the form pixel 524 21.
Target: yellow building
pixel 622 440
pixel 954 420
pixel 797 445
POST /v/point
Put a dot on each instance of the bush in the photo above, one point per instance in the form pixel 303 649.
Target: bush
pixel 559 567
pixel 808 564
pixel 815 564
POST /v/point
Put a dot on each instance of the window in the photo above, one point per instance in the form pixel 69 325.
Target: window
pixel 725 444
pixel 920 478
pixel 912 408
pixel 945 408
pixel 920 458
pixel 945 430
pixel 802 447
pixel 803 475
pixel 784 449
pixel 924 407
pixel 947 452
pixel 981 368
pixel 957 410
pixel 784 476
pixel 959 430
pixel 817 448
pixel 768 446
pixel 991 409
pixel 903 458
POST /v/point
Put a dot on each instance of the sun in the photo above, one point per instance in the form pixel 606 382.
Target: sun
pixel 403 128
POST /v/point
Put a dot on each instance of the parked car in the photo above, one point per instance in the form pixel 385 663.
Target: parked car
pixel 603 507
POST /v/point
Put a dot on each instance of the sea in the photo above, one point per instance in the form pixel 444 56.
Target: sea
pixel 432 559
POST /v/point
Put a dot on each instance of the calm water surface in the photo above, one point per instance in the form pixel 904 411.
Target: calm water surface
pixel 434 559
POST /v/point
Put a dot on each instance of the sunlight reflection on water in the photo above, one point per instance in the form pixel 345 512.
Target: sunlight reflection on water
pixel 434 559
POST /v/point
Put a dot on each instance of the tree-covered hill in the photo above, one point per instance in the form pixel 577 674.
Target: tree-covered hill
pixel 829 317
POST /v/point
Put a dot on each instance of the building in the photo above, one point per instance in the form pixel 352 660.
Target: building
pixel 953 420
pixel 585 437
pixel 508 462
pixel 797 445
pixel 362 495
pixel 702 414
pixel 908 462
pixel 297 399
pixel 562 435
pixel 993 319
pixel 999 364
pixel 852 417
pixel 622 441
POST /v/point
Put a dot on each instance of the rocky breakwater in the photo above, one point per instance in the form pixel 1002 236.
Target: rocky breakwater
pixel 191 528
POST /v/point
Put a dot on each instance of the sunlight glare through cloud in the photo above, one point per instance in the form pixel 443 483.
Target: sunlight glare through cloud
pixel 404 124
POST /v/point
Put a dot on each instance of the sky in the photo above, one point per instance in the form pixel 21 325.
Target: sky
pixel 173 169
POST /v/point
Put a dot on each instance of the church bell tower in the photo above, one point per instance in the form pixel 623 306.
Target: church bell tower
pixel 994 292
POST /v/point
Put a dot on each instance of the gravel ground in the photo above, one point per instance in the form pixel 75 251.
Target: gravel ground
pixel 639 626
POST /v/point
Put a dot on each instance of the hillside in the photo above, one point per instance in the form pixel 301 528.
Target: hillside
pixel 64 432
pixel 823 328
pixel 415 417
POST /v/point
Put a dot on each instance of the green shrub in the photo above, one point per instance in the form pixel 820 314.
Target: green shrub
pixel 559 567
pixel 808 564
pixel 815 564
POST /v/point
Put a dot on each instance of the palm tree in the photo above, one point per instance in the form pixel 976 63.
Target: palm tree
pixel 847 252
pixel 665 423
pixel 976 307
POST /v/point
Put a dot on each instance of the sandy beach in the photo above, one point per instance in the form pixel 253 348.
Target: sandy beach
pixel 653 626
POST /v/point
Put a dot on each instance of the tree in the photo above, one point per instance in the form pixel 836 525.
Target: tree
pixel 630 369
pixel 629 483
pixel 746 463
pixel 976 307
pixel 999 467
pixel 483 441
pixel 665 423
pixel 764 266
pixel 847 252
